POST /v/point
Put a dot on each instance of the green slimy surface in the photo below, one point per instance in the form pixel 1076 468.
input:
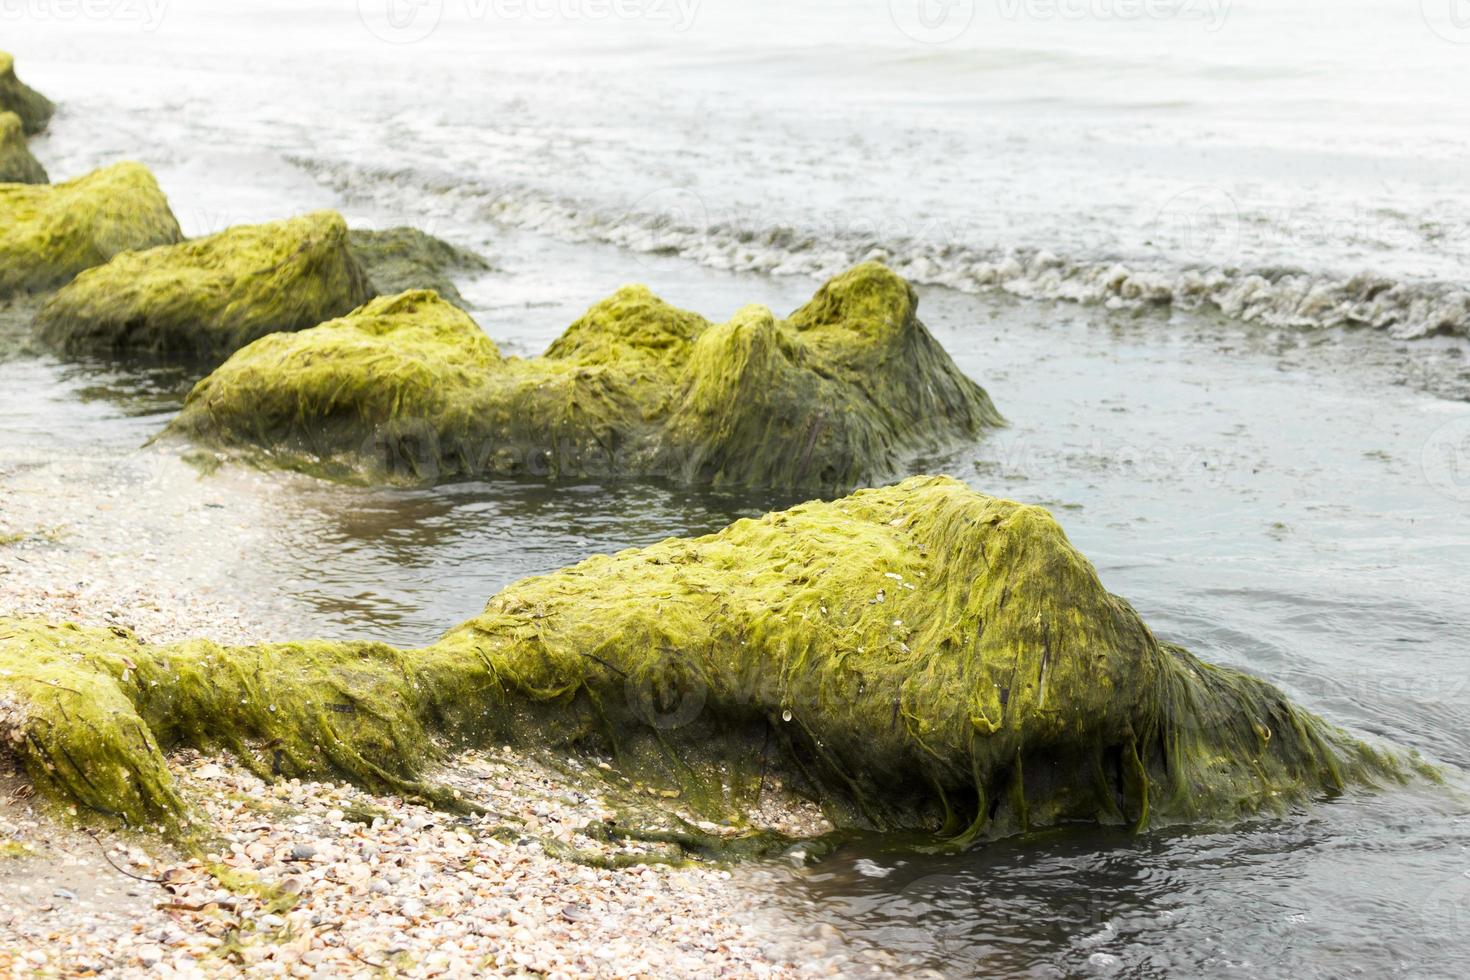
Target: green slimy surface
pixel 918 658
pixel 33 108
pixel 400 259
pixel 210 296
pixel 409 389
pixel 50 233
pixel 17 165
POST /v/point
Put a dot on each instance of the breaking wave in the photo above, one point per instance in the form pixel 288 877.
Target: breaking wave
pixel 677 222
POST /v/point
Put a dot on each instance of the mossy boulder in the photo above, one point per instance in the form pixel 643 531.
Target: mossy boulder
pixel 33 108
pixel 17 166
pixel 400 259
pixel 915 658
pixel 49 233
pixel 843 392
pixel 211 296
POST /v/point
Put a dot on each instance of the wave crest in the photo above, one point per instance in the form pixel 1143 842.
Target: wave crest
pixel 677 222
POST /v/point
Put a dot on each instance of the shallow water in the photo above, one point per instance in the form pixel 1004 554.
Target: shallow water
pixel 1262 500
pixel 1289 501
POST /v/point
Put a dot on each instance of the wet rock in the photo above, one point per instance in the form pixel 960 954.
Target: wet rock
pixel 410 389
pixel 211 296
pixel 400 259
pixel 17 166
pixel 50 233
pixel 33 108
pixel 1007 691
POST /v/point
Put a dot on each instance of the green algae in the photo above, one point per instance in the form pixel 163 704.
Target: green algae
pixel 50 233
pixel 409 389
pixel 44 534
pixel 14 850
pixel 918 658
pixel 17 166
pixel 238 881
pixel 210 296
pixel 33 108
pixel 364 813
pixel 400 259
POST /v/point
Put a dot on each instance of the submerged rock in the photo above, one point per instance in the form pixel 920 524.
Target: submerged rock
pixel 919 658
pixel 48 234
pixel 17 166
pixel 211 296
pixel 400 259
pixel 409 387
pixel 33 108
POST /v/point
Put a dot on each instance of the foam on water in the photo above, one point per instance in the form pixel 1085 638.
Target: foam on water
pixel 676 222
pixel 1296 164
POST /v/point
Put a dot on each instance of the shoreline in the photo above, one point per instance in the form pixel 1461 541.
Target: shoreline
pixel 501 903
pixel 320 879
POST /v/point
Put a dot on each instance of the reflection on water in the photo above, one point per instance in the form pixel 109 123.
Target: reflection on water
pixel 136 387
pixel 404 565
pixel 1348 887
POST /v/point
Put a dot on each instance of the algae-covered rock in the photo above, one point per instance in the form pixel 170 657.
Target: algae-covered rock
pixel 211 296
pixel 48 234
pixel 920 657
pixel 400 259
pixel 409 387
pixel 33 108
pixel 17 166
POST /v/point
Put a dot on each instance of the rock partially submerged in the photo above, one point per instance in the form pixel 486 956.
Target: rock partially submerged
pixel 48 234
pixel 410 388
pixel 400 259
pixel 917 658
pixel 211 296
pixel 17 166
pixel 33 108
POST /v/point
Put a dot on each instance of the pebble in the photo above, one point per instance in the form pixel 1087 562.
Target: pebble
pixel 416 891
pixel 433 895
